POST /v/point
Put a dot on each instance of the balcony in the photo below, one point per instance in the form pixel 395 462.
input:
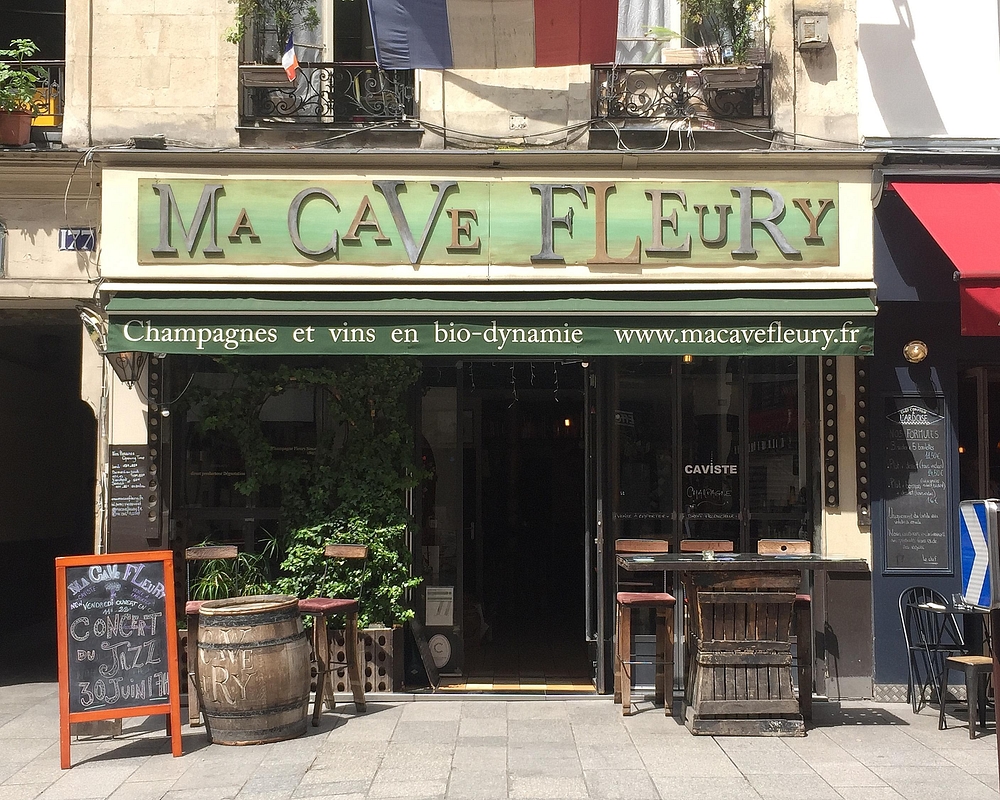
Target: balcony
pixel 643 103
pixel 47 104
pixel 325 98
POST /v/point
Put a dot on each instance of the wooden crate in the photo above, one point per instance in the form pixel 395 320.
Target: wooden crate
pixel 383 660
pixel 741 671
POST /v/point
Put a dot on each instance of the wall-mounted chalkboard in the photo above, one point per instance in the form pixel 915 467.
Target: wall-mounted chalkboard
pixel 916 485
pixel 132 517
pixel 117 639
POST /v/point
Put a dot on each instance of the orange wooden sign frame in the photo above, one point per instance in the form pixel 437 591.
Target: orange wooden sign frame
pixel 172 708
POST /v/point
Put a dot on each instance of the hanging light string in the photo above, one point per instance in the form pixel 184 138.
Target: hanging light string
pixel 555 382
pixel 513 385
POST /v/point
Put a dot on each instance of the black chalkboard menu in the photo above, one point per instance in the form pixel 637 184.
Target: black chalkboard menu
pixel 130 487
pixel 915 474
pixel 117 639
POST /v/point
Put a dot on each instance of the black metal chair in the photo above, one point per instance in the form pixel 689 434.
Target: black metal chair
pixel 932 636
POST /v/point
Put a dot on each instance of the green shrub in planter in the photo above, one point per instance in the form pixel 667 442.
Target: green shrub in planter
pixel 380 584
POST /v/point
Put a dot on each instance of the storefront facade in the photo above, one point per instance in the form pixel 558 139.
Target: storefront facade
pixel 662 347
pixel 935 414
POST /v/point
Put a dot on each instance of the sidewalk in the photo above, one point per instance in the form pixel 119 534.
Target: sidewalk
pixel 480 748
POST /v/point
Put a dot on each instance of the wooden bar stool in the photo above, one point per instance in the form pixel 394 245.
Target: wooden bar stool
pixel 663 605
pixel 199 555
pixel 321 609
pixel 802 616
pixel 978 670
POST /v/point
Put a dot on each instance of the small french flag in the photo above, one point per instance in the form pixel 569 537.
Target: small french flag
pixel 289 60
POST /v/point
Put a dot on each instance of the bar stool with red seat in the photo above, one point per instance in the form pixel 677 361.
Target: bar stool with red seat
pixel 802 614
pixel 321 609
pixel 200 554
pixel 663 605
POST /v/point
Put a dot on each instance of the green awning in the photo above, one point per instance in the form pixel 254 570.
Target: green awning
pixel 514 325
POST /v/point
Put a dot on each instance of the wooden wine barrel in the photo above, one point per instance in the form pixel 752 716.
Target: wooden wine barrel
pixel 253 669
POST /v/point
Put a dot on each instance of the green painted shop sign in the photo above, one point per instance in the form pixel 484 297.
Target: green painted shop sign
pixel 627 223
pixel 542 328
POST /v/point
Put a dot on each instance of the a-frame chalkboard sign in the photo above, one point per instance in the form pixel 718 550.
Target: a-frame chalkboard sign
pixel 117 636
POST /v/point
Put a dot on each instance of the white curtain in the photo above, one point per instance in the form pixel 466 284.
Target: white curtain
pixel 635 17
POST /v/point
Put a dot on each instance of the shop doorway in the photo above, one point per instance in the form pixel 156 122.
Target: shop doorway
pixel 503 525
pixel 48 438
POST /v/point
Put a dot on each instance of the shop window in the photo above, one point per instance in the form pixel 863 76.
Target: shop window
pixel 715 448
pixel 208 505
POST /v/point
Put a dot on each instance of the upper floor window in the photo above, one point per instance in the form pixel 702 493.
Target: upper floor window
pixel 323 31
pixel 646 28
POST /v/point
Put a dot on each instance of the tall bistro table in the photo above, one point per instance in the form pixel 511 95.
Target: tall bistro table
pixel 738 677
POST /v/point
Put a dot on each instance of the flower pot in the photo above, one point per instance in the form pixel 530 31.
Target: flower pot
pixel 741 76
pixel 15 127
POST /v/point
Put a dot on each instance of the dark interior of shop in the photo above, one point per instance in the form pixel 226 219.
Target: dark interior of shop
pixel 47 439
pixel 524 523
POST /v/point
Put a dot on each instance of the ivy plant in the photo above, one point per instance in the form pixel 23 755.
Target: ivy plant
pixel 380 584
pixel 349 488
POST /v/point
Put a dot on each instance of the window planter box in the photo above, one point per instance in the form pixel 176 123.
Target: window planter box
pixel 742 76
pixel 263 76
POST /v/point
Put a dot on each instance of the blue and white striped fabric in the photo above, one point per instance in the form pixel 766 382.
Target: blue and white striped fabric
pixel 973 526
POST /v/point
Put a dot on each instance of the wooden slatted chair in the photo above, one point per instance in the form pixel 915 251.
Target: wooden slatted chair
pixel 321 609
pixel 663 605
pixel 977 669
pixel 802 619
pixel 193 558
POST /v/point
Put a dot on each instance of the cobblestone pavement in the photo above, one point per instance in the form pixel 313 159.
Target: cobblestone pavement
pixel 481 748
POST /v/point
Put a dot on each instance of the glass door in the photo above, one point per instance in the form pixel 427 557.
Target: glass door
pixel 712 421
pixel 778 460
pixel 504 526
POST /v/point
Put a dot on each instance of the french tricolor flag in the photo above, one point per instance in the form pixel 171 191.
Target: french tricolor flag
pixel 469 34
pixel 289 60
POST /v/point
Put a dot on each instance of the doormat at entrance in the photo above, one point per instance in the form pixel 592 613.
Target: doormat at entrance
pixel 540 685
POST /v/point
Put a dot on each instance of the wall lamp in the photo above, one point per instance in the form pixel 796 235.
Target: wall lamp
pixel 128 365
pixel 915 351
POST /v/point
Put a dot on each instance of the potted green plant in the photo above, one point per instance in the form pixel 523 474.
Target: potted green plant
pixel 731 32
pixel 17 89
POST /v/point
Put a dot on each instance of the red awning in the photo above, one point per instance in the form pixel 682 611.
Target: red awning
pixel 964 219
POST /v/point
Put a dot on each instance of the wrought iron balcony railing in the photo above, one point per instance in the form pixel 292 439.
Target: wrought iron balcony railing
pixel 325 93
pixel 47 104
pixel 655 92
